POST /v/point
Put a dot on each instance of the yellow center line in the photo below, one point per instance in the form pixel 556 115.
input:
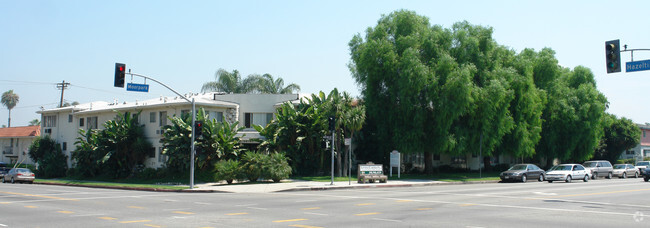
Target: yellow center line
pixel 31 206
pixel 5 202
pixel 183 212
pixel 311 208
pixel 66 212
pixel 290 220
pixel 135 221
pixel 371 213
pixel 41 196
pixel 365 204
pixel 151 225
pixel 305 226
pixel 467 205
pixel 240 213
pixel 136 207
pixel 403 201
pixel 107 218
pixel 423 209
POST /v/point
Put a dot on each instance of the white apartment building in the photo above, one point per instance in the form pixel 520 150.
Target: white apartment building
pixel 63 124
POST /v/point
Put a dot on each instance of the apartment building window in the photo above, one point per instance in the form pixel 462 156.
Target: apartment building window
pixel 152 117
pixel 163 118
pixel 152 152
pixel 91 122
pixel 70 118
pixel 81 122
pixel 49 121
pixel 161 156
pixel 64 146
pixel 261 119
pixel 214 115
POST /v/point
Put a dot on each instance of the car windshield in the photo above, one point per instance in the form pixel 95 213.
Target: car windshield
pixel 590 164
pixel 643 163
pixel 619 166
pixel 518 167
pixel 561 167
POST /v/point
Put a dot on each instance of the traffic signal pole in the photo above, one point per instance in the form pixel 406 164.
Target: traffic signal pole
pixel 193 122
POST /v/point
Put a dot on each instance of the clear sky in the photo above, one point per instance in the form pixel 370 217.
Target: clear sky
pixel 183 43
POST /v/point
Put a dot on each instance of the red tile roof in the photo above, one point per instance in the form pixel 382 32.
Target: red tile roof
pixel 14 132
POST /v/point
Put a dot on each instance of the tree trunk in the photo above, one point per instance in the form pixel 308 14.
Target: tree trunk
pixel 428 162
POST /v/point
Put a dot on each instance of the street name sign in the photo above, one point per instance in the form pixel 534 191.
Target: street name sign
pixel 137 87
pixel 637 66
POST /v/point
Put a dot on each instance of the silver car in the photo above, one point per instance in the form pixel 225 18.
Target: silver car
pixel 600 168
pixel 19 175
pixel 567 172
pixel 625 170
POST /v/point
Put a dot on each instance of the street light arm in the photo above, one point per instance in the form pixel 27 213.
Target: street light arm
pixel 139 75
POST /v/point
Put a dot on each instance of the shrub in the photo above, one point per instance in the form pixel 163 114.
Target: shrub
pixel 277 167
pixel 228 170
pixel 625 161
pixel 51 160
pixel 254 164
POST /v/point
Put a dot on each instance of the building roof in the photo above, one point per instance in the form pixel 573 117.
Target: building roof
pixel 18 132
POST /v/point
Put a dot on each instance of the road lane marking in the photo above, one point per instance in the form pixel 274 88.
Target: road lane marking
pixel 312 213
pixel 371 213
pixel 240 213
pixel 257 208
pixel 423 209
pixel 40 196
pixel 31 206
pixel 403 201
pixel 134 221
pixel 5 202
pixel 601 193
pixel 290 220
pixel 107 218
pixel 305 226
pixel 66 212
pixel 183 212
pixel 136 207
pixel 365 204
pixel 3 225
pixel 467 204
pixel 387 220
pixel 202 203
pixel 151 225
pixel 310 208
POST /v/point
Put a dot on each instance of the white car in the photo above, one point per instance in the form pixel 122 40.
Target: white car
pixel 641 166
pixel 567 172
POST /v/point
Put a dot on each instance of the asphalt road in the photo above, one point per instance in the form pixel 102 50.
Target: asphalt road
pixel 597 203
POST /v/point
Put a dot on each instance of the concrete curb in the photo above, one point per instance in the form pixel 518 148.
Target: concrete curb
pixel 322 188
pixel 136 189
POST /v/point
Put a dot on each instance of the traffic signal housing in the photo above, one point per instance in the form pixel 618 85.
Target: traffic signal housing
pixel 120 72
pixel 198 129
pixel 613 56
pixel 332 123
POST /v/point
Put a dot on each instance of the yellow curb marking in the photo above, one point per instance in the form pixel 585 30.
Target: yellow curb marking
pixel 135 221
pixel 371 213
pixel 183 212
pixel 240 213
pixel 365 204
pixel 66 212
pixel 311 208
pixel 305 226
pixel 107 218
pixel 289 220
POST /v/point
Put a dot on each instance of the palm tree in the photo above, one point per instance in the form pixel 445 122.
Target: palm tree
pixel 35 122
pixel 230 82
pixel 268 85
pixel 10 99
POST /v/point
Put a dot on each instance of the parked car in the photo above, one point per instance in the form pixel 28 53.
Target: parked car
pixel 625 170
pixel 19 175
pixel 642 165
pixel 567 172
pixel 599 168
pixel 646 175
pixel 3 169
pixel 523 172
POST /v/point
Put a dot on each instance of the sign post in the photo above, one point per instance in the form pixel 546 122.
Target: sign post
pixel 395 162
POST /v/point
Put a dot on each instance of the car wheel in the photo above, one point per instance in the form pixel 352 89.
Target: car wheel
pixel 586 178
pixel 523 178
pixel 646 179
pixel 636 174
pixel 568 179
pixel 594 176
pixel 550 181
pixel 609 175
pixel 541 178
pixel 12 181
pixel 624 175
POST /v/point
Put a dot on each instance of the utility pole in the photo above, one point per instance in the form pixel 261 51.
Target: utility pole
pixel 62 87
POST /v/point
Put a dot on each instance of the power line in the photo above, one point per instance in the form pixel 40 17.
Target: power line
pixel 29 82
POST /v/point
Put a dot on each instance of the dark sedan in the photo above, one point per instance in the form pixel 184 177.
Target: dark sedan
pixel 523 172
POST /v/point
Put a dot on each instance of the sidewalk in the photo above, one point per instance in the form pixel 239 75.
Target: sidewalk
pixel 300 185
